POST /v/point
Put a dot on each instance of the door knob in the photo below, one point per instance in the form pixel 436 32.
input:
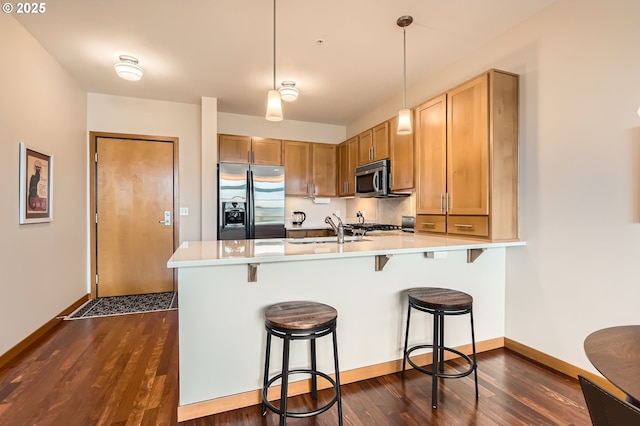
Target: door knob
pixel 167 218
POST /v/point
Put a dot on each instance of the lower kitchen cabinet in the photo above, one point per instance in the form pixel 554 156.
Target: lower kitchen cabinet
pixel 309 233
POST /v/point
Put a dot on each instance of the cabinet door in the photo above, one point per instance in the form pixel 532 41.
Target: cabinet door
pixel 343 169
pixel 352 155
pixel 431 156
pixel 365 141
pixel 347 163
pixel 401 156
pixel 234 149
pixel 297 167
pixel 266 151
pixel 380 141
pixel 324 169
pixel 468 148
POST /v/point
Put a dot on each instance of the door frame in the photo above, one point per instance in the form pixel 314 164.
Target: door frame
pixel 93 138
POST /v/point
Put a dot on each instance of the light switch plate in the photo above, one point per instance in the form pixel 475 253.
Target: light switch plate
pixel 184 211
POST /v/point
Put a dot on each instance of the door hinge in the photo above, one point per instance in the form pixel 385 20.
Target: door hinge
pixel 96 218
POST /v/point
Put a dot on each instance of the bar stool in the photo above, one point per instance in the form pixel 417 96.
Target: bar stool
pixel 300 320
pixel 440 302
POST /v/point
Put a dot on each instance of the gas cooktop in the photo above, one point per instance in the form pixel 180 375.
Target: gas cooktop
pixel 370 226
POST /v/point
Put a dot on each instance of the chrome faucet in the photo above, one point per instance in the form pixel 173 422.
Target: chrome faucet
pixel 339 229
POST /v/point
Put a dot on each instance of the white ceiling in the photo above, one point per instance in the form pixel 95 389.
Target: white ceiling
pixel 224 48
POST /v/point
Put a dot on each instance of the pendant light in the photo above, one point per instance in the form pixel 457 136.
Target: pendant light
pixel 404 115
pixel 274 101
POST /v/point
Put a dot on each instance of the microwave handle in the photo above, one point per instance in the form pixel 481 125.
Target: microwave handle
pixel 376 181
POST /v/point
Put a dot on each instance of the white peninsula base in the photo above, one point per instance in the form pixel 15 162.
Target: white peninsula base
pixel 221 325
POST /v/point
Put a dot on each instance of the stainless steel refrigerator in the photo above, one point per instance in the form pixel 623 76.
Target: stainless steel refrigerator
pixel 250 201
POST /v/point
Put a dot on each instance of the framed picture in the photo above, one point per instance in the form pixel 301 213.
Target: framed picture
pixel 36 186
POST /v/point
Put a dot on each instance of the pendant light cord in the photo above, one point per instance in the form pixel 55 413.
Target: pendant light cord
pixel 404 53
pixel 274 44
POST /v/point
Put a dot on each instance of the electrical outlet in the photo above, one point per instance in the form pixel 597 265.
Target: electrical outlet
pixel 184 211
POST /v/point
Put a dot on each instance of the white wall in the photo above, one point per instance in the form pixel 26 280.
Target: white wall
pixel 579 169
pixel 43 265
pixel 247 125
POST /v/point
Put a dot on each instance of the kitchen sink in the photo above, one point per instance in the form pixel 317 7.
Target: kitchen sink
pixel 323 240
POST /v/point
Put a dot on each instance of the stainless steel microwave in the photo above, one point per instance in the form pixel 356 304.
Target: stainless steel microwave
pixel 374 180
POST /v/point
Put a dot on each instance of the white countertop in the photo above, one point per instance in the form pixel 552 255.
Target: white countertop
pixel 233 252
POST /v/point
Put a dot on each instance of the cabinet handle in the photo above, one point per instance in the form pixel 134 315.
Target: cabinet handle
pixel 462 225
pixel 248 156
pixel 446 205
pixel 441 202
pixel 431 224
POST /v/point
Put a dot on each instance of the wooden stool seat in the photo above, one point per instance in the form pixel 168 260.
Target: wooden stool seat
pixel 440 298
pixel 440 302
pixel 300 320
pixel 299 315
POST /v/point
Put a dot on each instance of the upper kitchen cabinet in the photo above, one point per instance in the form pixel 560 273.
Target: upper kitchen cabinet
pixel 401 157
pixel 347 163
pixel 253 150
pixel 373 144
pixel 431 163
pixel 310 169
pixel 476 125
pixel 324 170
pixel 297 168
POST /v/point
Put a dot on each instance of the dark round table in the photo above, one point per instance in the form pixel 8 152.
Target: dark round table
pixel 615 353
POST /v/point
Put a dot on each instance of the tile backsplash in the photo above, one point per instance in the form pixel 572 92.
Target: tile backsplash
pixel 380 210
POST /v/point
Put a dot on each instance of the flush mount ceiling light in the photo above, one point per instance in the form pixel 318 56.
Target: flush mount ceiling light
pixel 128 68
pixel 274 102
pixel 404 115
pixel 288 91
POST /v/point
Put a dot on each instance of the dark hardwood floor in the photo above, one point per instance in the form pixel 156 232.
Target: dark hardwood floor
pixel 124 371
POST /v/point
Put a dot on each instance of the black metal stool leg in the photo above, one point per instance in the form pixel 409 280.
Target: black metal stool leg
pixel 285 382
pixel 441 340
pixel 266 374
pixel 473 347
pixel 406 341
pixel 434 365
pixel 314 367
pixel 337 368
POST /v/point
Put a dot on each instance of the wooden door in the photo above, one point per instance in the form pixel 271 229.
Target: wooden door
pixel 431 156
pixel 468 148
pixel 266 151
pixel 380 141
pixel 297 167
pixel 234 149
pixel 324 169
pixel 401 156
pixel 135 203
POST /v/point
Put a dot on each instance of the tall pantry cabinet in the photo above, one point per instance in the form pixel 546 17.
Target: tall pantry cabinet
pixel 467 159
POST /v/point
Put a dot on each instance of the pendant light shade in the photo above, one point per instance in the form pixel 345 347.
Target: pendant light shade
pixel 274 106
pixel 128 68
pixel 404 116
pixel 404 122
pixel 274 101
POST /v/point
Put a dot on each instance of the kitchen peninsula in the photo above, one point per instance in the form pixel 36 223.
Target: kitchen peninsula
pixel 224 287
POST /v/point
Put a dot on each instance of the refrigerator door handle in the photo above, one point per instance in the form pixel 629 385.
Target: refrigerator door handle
pixel 252 205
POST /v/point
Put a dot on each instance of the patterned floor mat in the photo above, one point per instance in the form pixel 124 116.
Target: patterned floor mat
pixel 121 305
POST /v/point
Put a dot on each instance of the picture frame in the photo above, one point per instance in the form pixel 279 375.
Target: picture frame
pixel 36 186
